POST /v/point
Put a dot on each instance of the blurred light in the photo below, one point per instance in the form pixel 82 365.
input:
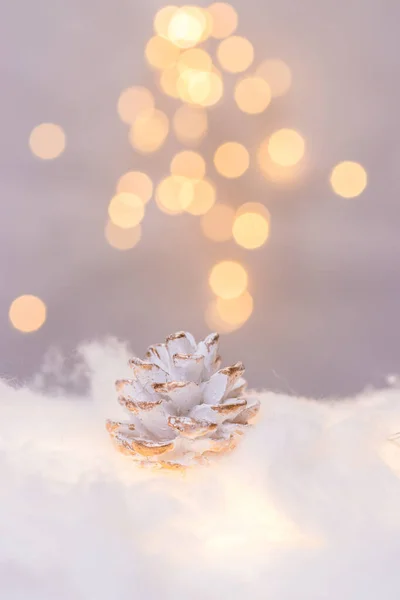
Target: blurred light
pixel 250 230
pixel 187 26
pixel 174 194
pixel 149 131
pixel 200 87
pixel 169 81
pixel 253 207
pixel 224 19
pixel 47 141
pixel 194 58
pixel 27 313
pixel 228 279
pixel 203 198
pixel 217 223
pixel 122 239
pixel 133 101
pixel 126 210
pixel 281 175
pixel 235 54
pixel 214 321
pixel 161 53
pixel 252 95
pixel 162 20
pixel 188 164
pixel 235 311
pixel 136 182
pixel 190 124
pixel 348 179
pixel 231 159
pixel 286 147
pixel 277 74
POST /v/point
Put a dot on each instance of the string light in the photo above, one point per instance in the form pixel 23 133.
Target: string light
pixel 250 230
pixel 224 19
pixel 228 279
pixel 133 101
pixel 174 194
pixel 235 311
pixel 277 174
pixel 187 26
pixel 235 54
pixel 27 313
pixel 136 182
pixel 149 131
pixel 231 159
pixel 348 179
pixel 214 321
pixel 47 141
pixel 161 53
pixel 126 210
pixel 190 124
pixel 203 197
pixel 217 223
pixel 286 147
pixel 188 164
pixel 200 87
pixel 252 95
pixel 169 81
pixel 122 239
pixel 277 74
pixel 162 20
pixel 194 58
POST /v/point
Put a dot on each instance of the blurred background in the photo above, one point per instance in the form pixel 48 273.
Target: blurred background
pixel 230 167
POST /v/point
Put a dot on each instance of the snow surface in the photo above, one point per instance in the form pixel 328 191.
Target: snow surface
pixel 308 506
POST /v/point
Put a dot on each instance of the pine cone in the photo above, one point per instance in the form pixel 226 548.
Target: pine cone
pixel 182 408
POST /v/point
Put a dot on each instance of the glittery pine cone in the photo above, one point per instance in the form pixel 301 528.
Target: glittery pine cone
pixel 182 408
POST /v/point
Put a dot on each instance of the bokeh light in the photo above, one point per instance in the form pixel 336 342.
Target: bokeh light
pixel 47 141
pixel 235 54
pixel 217 223
pixel 214 321
pixel 136 182
pixel 228 279
pixel 224 19
pixel 253 207
pixel 174 194
pixel 190 124
pixel 169 81
pixel 132 101
pixel 187 26
pixel 194 58
pixel 250 230
pixel 163 18
pixel 27 313
pixel 161 53
pixel 282 176
pixel 286 147
pixel 277 74
pixel 252 95
pixel 126 210
pixel 149 131
pixel 348 179
pixel 235 311
pixel 203 197
pixel 200 87
pixel 231 159
pixel 188 164
pixel 120 238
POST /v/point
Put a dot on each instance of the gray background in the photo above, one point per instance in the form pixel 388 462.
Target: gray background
pixel 325 286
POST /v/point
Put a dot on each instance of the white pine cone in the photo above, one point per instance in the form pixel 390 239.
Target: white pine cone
pixel 181 407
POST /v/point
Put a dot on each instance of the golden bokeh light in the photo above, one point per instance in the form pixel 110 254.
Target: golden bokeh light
pixel 149 131
pixel 161 53
pixel 169 81
pixel 224 19
pixel 200 87
pixel 203 198
pixel 250 230
pixel 235 54
pixel 286 147
pixel 188 164
pixel 231 160
pixel 252 95
pixel 277 74
pixel 27 313
pixel 126 210
pixel 194 58
pixel 133 101
pixel 120 238
pixel 47 141
pixel 187 26
pixel 218 222
pixel 190 124
pixel 136 182
pixel 163 18
pixel 348 179
pixel 214 321
pixel 235 311
pixel 282 176
pixel 228 279
pixel 253 207
pixel 174 194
